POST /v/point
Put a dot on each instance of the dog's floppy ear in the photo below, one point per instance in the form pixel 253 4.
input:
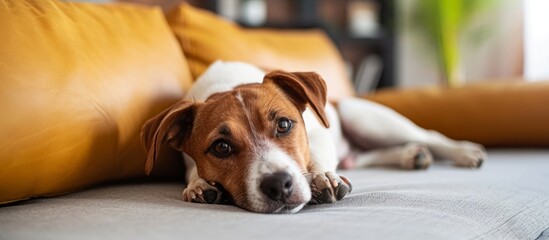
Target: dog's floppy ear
pixel 171 126
pixel 302 88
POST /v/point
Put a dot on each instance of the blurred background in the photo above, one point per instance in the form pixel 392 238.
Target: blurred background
pixel 411 43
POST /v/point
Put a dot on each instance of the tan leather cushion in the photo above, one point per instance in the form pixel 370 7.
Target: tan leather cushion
pixel 77 82
pixel 206 37
pixel 505 114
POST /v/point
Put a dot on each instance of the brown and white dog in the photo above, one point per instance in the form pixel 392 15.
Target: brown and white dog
pixel 270 143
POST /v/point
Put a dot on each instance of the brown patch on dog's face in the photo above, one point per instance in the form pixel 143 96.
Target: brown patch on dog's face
pixel 238 125
pixel 251 140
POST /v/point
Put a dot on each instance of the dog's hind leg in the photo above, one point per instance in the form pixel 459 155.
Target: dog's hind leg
pixel 462 153
pixel 408 156
pixel 370 125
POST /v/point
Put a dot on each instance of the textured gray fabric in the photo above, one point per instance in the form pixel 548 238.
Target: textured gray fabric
pixel 544 235
pixel 507 199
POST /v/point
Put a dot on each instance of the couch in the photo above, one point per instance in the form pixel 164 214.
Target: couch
pixel 78 81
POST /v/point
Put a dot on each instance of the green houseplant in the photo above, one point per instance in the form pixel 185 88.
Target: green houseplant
pixel 442 22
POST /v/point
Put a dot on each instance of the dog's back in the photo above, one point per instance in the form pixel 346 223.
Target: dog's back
pixel 224 76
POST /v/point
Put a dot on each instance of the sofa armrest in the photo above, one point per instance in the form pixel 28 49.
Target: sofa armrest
pixel 512 114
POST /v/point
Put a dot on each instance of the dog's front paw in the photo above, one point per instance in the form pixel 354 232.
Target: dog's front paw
pixel 470 155
pixel 200 191
pixel 329 187
pixel 416 156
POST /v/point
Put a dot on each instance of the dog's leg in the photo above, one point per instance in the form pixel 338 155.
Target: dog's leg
pixel 409 156
pixel 326 185
pixel 199 190
pixel 371 125
pixel 462 153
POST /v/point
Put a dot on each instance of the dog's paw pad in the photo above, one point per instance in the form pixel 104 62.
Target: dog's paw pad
pixel 341 191
pixel 480 162
pixel 329 188
pixel 344 188
pixel 211 196
pixel 416 156
pixel 470 155
pixel 422 161
pixel 200 191
pixel 470 162
pixel 326 196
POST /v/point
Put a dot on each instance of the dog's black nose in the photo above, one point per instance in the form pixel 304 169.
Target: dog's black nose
pixel 277 186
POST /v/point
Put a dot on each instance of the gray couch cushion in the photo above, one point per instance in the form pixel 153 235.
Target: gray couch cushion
pixel 507 199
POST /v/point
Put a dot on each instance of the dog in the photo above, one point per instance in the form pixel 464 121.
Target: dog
pixel 270 143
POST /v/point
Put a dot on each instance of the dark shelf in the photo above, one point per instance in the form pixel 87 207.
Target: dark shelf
pixel 280 25
pixel 377 38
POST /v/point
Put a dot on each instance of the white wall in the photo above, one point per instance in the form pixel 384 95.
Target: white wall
pixel 416 65
pixel 501 56
pixel 536 41
pixel 498 58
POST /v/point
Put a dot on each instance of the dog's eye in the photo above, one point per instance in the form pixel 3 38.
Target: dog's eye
pixel 283 126
pixel 221 149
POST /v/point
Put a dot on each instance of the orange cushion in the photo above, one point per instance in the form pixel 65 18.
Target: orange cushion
pixel 77 82
pixel 496 115
pixel 206 37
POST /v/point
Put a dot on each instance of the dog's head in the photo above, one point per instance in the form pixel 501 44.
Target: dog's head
pixel 251 140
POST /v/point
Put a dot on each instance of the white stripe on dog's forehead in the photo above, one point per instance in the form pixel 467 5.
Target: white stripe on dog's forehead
pixel 247 112
pixel 239 97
